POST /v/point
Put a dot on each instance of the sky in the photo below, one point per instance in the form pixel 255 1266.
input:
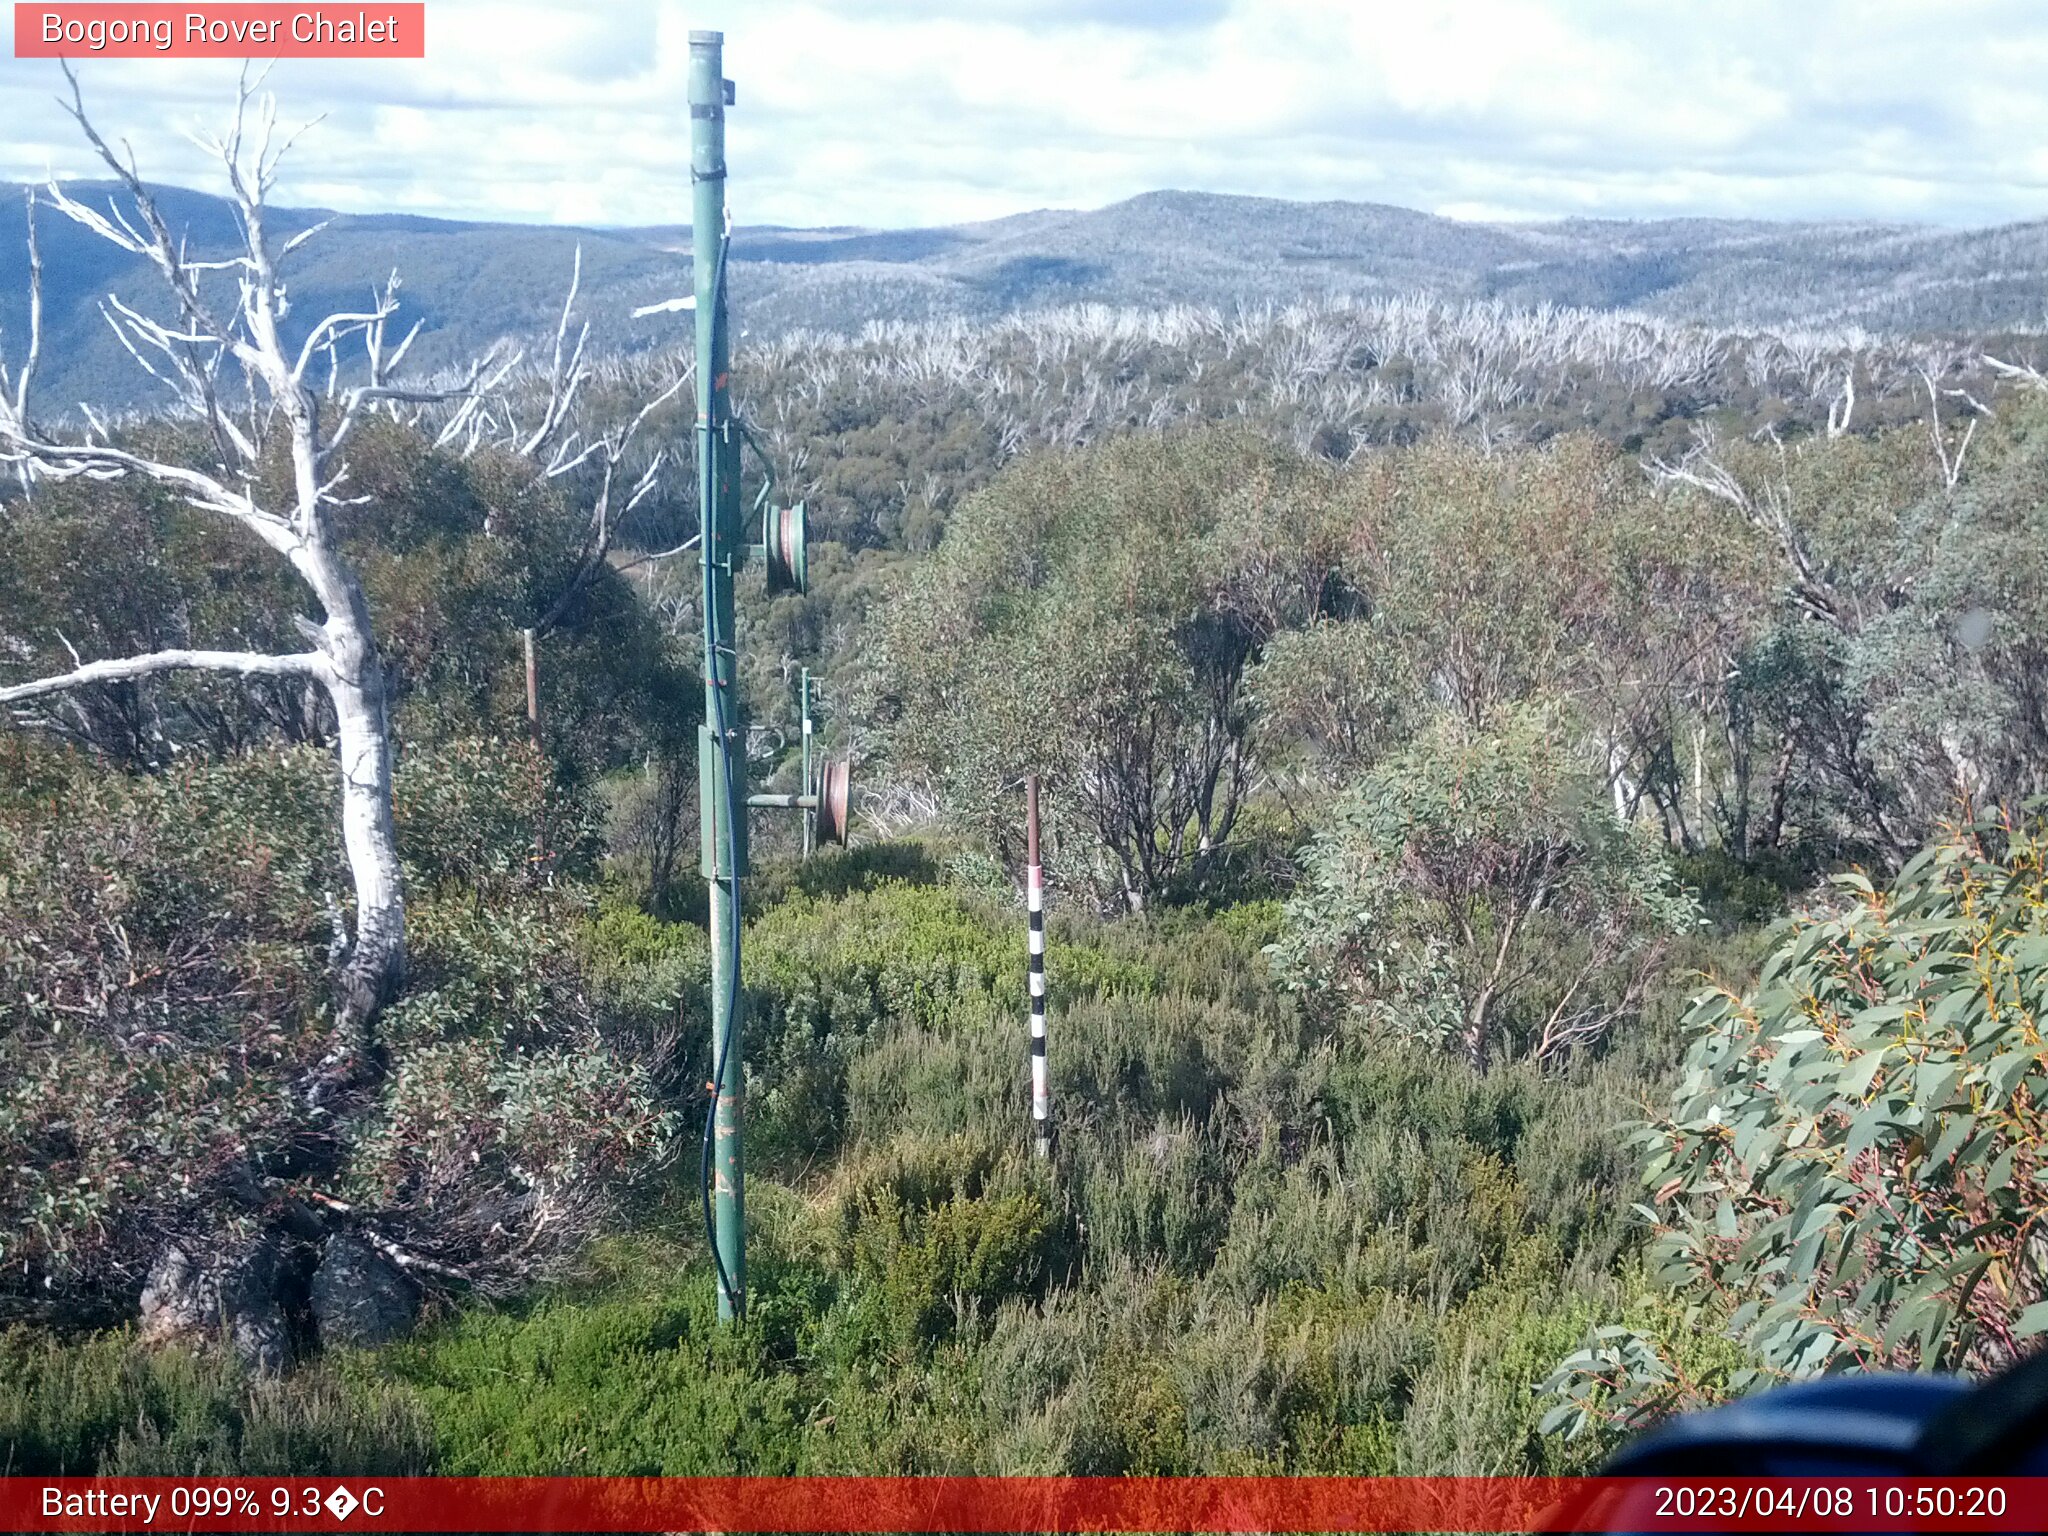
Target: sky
pixel 897 113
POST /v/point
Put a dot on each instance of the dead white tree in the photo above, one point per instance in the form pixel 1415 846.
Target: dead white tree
pixel 1950 460
pixel 229 367
pixel 1766 507
pixel 560 446
pixel 2021 375
pixel 1843 407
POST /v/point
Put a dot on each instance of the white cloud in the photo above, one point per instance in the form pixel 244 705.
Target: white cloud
pixel 914 111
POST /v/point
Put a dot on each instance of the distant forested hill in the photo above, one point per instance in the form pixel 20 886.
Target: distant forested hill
pixel 472 282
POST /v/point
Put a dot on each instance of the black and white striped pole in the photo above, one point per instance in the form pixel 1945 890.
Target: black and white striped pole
pixel 1034 896
pixel 810 817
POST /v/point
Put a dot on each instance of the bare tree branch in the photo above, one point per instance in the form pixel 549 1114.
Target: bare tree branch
pixel 611 449
pixel 1768 510
pixel 564 379
pixel 158 247
pixel 2024 374
pixel 17 409
pixel 187 355
pixel 128 668
pixel 35 313
pixel 1951 464
pixel 91 461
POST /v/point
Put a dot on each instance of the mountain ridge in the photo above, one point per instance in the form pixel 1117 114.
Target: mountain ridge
pixel 472 281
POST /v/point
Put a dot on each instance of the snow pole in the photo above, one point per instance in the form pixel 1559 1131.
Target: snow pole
pixel 1034 897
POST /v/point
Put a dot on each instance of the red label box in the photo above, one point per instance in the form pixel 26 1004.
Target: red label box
pixel 995 1506
pixel 372 30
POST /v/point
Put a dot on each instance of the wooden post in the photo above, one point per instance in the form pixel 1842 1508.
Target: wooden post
pixel 1034 894
pixel 532 685
pixel 540 827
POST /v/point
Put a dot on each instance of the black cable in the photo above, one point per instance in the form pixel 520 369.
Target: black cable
pixel 707 494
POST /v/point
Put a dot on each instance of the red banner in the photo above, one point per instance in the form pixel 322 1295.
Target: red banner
pixel 372 30
pixel 1022 1504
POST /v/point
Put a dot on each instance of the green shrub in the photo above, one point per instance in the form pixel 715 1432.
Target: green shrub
pixel 1090 617
pixel 1263 1247
pixel 1477 892
pixel 831 872
pixel 1133 1420
pixel 1875 1100
pixel 972 1080
pixel 508 973
pixel 165 943
pixel 162 958
pixel 896 951
pixel 106 1405
pixel 613 1387
pixel 1736 891
pixel 1847 1173
pixel 830 979
pixel 938 1234
pixel 1162 1200
pixel 480 812
pixel 653 975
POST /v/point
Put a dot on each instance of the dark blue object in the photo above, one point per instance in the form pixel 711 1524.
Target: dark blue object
pixel 1839 1425
pixel 1848 1426
pixel 1919 1426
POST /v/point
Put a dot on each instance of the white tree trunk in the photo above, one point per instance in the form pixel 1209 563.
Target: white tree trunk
pixel 376 964
pixel 354 677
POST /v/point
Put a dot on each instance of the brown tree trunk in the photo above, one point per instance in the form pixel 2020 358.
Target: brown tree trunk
pixel 1475 1030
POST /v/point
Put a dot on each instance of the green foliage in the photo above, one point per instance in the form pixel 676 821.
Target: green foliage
pixel 455 555
pixel 825 977
pixel 655 973
pixel 1804 667
pixel 1496 581
pixel 1335 696
pixel 832 872
pixel 484 813
pixel 164 947
pixel 118 568
pixel 1853 1146
pixel 109 1406
pixel 632 1386
pixel 1255 924
pixel 463 1124
pixel 1090 617
pixel 1275 1238
pixel 939 1233
pixel 895 951
pixel 1478 891
pixel 1737 893
pixel 161 950
pixel 1261 1250
pixel 1848 1175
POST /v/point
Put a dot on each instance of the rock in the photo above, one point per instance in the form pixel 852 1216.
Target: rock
pixel 360 1297
pixel 201 1299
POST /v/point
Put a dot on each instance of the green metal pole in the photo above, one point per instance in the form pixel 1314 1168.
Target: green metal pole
pixel 721 768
